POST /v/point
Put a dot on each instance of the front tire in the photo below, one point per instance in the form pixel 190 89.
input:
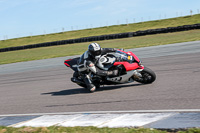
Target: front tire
pixel 148 76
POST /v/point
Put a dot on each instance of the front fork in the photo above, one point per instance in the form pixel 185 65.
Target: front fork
pixel 137 73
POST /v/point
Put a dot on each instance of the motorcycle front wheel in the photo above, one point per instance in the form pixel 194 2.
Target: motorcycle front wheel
pixel 148 76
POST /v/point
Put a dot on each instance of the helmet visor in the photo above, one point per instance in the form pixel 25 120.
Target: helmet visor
pixel 96 53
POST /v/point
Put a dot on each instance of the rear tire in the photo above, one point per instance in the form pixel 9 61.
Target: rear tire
pixel 148 76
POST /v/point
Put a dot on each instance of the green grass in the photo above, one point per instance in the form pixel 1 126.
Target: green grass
pixel 54 129
pixel 79 48
pixel 102 31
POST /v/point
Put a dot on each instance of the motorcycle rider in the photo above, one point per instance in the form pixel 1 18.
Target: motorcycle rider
pixel 88 62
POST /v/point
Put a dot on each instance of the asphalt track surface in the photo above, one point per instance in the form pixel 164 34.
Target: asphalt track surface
pixel 44 86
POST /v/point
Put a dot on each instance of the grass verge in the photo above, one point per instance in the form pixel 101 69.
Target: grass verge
pixel 79 48
pixel 172 22
pixel 87 130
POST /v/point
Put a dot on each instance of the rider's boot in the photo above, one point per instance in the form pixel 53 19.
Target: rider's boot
pixel 89 84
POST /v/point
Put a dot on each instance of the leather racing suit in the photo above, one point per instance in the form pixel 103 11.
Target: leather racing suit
pixel 87 63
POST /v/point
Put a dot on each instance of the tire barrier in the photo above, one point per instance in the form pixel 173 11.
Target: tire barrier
pixel 105 37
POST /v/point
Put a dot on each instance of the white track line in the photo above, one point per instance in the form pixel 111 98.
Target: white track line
pixel 106 112
pixel 97 120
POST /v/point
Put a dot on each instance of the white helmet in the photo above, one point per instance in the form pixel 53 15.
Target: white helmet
pixel 94 50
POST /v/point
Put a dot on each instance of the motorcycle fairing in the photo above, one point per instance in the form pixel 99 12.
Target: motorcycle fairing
pixel 131 63
pixel 123 78
pixel 134 56
pixel 130 53
pixel 66 62
pixel 128 66
pixel 140 68
pixel 72 63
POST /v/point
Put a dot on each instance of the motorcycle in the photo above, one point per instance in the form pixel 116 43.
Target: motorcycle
pixel 129 67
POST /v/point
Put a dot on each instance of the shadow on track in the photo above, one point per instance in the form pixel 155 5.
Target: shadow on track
pixel 85 91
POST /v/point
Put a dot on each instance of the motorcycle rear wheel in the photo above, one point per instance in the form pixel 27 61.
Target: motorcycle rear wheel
pixel 148 76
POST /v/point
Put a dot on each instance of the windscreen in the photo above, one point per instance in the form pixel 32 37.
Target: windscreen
pixel 121 56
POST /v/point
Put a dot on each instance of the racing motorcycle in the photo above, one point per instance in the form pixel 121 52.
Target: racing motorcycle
pixel 121 60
